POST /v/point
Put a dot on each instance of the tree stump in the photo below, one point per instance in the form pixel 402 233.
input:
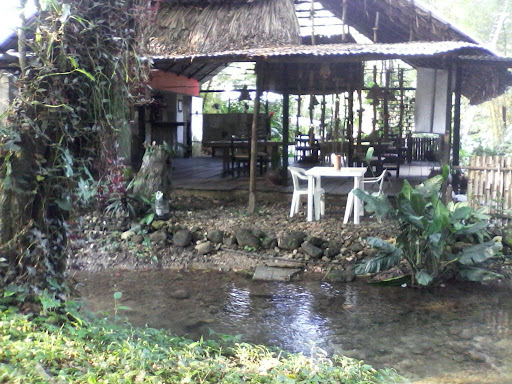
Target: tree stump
pixel 155 173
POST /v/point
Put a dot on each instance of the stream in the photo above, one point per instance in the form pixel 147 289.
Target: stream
pixel 457 334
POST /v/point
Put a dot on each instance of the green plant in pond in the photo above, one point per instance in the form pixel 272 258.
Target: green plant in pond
pixel 436 241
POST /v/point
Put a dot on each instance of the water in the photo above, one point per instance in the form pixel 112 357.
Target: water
pixel 458 334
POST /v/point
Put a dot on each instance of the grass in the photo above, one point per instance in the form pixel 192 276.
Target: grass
pixel 59 349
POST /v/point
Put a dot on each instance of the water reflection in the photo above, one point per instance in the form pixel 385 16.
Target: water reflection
pixel 455 335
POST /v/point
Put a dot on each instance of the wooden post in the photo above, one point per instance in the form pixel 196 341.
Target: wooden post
pixel 299 105
pixel 322 118
pixel 286 123
pixel 402 103
pixel 254 140
pixel 360 120
pixel 350 127
pixel 445 156
pixel 386 103
pixel 374 101
pixel 456 126
pixel 337 124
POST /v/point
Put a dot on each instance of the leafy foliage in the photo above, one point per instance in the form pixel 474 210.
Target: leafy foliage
pixel 73 94
pixel 78 351
pixel 434 239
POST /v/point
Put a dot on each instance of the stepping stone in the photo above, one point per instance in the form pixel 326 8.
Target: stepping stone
pixel 265 273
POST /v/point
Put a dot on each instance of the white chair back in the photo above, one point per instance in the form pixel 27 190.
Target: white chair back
pixel 375 180
pixel 297 174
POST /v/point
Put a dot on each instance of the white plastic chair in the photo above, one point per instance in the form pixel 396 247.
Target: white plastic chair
pixel 350 199
pixel 319 193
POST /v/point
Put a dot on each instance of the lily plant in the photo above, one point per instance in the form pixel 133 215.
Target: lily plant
pixel 435 240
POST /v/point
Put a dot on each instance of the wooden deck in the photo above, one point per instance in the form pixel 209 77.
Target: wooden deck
pixel 205 174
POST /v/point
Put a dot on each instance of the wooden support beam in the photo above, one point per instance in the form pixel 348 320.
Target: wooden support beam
pixel 350 127
pixel 456 125
pixel 446 143
pixel 360 120
pixel 199 69
pixel 254 139
pixel 286 122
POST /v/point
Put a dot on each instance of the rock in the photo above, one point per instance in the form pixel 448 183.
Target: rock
pixel 356 247
pixel 204 248
pixel 331 252
pixel 215 236
pixel 258 233
pixel 137 239
pixel 269 242
pixel 311 250
pixel 265 273
pixel 229 241
pixel 283 264
pixel 316 241
pixel 127 235
pixel 197 236
pixel 245 237
pixel 158 224
pixel 325 258
pixel 179 294
pixel 158 237
pixel 292 240
pixel 335 244
pixel 182 238
pixel 339 276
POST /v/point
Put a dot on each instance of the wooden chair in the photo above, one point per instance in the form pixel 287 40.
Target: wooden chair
pixel 241 155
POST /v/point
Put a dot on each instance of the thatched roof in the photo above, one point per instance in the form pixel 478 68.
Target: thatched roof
pixel 399 21
pixel 188 26
pixel 335 51
pixel 484 78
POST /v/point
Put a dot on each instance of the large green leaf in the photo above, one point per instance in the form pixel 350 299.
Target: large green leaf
pixel 423 278
pixel 431 186
pixel 473 228
pixel 387 257
pixel 407 190
pixel 418 203
pixel 479 253
pixel 461 213
pixel 375 204
pixel 477 274
pixel 407 213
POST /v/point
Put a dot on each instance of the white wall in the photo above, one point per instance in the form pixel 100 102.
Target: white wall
pixel 197 126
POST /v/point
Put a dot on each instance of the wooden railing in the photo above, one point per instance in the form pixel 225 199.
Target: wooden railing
pixel 490 184
pixel 422 148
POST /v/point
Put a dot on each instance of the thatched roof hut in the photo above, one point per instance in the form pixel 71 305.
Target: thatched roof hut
pixel 192 26
pixel 199 38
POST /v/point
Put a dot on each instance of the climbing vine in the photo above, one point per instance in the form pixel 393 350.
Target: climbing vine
pixel 80 76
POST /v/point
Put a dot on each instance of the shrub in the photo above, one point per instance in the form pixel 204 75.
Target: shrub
pixel 435 240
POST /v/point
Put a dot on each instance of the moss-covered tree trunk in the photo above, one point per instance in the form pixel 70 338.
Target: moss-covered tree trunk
pixel 155 173
pixel 73 90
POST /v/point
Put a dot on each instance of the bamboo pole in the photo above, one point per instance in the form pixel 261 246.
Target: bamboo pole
pixel 254 140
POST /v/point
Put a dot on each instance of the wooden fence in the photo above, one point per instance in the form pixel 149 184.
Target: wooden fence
pixel 423 148
pixel 490 184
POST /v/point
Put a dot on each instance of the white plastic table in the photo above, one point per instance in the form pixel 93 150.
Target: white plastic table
pixel 314 181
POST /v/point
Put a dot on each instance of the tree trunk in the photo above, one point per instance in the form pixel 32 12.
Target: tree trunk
pixel 154 174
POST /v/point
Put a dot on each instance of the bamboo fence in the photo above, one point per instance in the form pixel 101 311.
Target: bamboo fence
pixel 490 185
